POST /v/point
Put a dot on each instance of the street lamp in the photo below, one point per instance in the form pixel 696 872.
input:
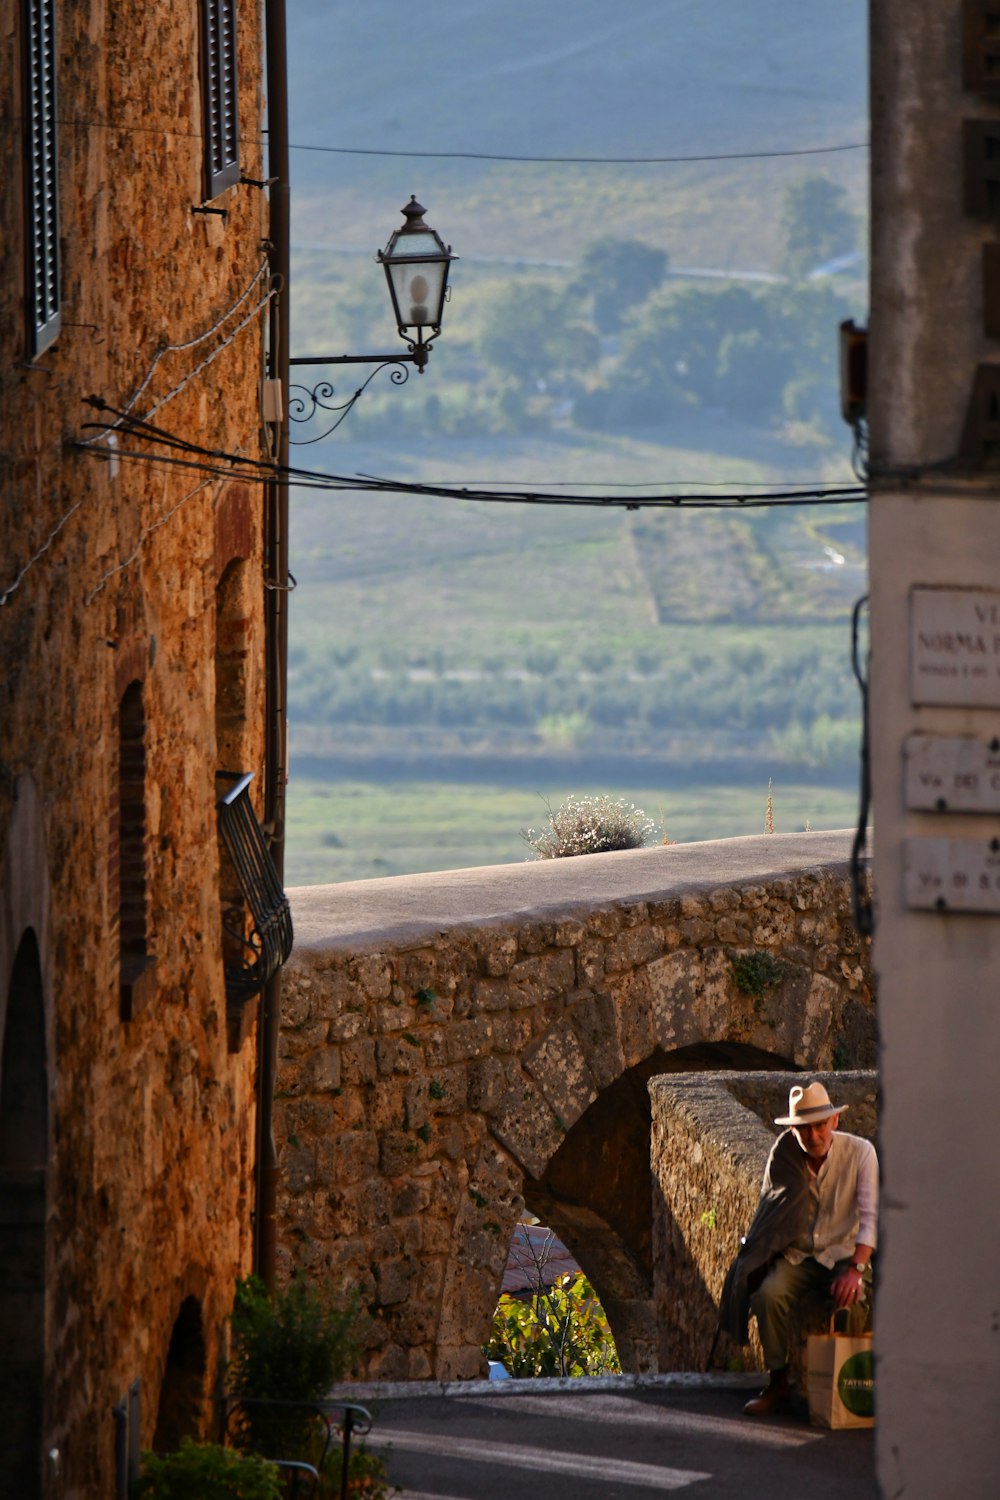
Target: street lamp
pixel 416 262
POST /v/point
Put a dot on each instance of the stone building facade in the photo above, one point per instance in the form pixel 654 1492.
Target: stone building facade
pixel 134 284
pixel 437 1079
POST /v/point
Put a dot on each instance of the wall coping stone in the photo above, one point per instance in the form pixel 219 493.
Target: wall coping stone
pixel 415 907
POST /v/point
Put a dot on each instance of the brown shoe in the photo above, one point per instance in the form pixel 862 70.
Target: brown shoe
pixel 776 1395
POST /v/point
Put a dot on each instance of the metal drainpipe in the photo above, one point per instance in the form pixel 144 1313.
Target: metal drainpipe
pixel 276 624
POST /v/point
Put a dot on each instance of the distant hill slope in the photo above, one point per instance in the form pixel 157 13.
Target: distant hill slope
pixel 575 77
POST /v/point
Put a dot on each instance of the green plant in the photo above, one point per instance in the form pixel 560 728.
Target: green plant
pixel 710 1218
pixel 204 1471
pixel 366 1475
pixel 590 825
pixel 436 1089
pixel 561 1331
pixel 291 1348
pixel 841 1059
pixel 756 973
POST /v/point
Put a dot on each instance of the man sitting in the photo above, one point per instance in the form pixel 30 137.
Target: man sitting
pixel 814 1233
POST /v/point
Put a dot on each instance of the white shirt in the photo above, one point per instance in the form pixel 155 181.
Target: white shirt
pixel 845 1203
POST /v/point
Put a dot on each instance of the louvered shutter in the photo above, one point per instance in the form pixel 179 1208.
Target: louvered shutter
pixel 220 95
pixel 41 173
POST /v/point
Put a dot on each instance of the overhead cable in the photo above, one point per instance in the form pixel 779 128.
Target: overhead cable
pixel 236 466
pixel 586 161
pixel 595 161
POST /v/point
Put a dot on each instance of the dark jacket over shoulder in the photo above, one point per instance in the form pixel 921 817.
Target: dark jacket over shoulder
pixel 783 1213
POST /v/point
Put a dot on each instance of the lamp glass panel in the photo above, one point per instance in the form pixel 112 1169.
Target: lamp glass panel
pixel 419 292
pixel 421 242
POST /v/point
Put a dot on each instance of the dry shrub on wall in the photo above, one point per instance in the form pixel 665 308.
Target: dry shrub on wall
pixel 590 825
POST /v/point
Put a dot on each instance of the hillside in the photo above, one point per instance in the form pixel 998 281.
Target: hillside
pixel 451 662
pixel 571 78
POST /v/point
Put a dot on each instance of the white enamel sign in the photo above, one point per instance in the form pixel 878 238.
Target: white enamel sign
pixel 958 875
pixel 955 647
pixel 951 774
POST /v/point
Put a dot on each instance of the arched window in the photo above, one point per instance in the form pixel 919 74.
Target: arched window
pixel 133 947
pixel 24 1149
pixel 234 664
pixel 181 1412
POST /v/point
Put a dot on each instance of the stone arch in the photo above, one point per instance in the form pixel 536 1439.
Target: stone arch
pixel 429 1083
pixel 597 1190
pixel 24 1152
pixel 181 1409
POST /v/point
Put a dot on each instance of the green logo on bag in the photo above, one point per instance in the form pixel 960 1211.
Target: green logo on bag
pixel 856 1384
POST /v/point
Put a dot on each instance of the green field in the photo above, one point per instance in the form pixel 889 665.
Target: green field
pixel 347 829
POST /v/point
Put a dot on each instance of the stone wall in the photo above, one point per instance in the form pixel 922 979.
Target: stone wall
pixel 432 1082
pixel 110 577
pixel 711 1138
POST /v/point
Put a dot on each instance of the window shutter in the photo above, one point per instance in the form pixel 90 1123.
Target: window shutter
pixel 220 96
pixel 41 173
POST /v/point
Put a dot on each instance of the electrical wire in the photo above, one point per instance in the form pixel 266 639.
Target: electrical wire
pixel 236 466
pixel 12 588
pixel 126 562
pixel 611 161
pixel 587 161
pixel 122 416
pixel 192 343
pixel 861 904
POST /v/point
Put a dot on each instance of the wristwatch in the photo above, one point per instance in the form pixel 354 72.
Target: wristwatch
pixel 859 1266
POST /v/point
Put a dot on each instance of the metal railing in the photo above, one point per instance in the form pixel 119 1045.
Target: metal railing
pixel 291 1424
pixel 256 950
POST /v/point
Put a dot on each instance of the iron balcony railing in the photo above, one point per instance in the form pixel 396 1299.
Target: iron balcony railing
pixel 258 932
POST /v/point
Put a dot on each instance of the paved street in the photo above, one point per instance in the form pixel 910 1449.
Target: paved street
pixel 608 1440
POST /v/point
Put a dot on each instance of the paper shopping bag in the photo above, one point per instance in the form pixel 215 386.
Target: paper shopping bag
pixel 840 1379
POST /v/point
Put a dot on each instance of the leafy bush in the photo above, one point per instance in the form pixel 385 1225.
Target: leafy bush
pixel 590 825
pixel 561 1331
pixel 203 1471
pixel 756 973
pixel 289 1349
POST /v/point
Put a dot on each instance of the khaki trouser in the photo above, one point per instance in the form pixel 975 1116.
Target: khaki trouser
pixel 775 1300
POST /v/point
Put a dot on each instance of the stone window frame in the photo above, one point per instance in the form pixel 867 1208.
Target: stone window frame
pixel 42 272
pixel 130 855
pixel 220 96
pixel 235 530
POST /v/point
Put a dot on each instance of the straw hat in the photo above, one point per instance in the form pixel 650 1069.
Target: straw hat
pixel 809 1105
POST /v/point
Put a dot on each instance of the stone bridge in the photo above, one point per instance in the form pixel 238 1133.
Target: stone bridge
pixel 458 1046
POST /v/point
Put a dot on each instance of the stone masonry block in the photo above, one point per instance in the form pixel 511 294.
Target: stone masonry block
pixel 323 1072
pixel 589 963
pixel 358 1061
pixel 347 1158
pixel 499 953
pixel 595 1024
pixel 535 980
pixel 486 1083
pixel 489 996
pixel 559 1067
pixel 528 1127
pixel 374 976
pixel 637 946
